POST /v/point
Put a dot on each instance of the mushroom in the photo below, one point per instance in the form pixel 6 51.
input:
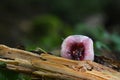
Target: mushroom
pixel 77 47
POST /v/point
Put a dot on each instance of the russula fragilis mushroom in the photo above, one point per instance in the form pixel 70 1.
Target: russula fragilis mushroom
pixel 77 47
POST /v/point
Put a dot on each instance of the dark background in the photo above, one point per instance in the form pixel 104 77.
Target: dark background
pixel 45 23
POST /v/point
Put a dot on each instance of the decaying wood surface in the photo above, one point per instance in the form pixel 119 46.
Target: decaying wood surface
pixel 54 67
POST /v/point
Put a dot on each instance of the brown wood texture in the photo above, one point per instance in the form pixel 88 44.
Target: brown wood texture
pixel 54 67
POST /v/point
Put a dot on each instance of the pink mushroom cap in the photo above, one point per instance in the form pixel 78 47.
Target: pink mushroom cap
pixel 77 47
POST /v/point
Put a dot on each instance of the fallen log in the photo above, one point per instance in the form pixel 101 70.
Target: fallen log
pixel 54 67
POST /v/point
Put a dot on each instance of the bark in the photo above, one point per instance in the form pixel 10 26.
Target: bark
pixel 51 66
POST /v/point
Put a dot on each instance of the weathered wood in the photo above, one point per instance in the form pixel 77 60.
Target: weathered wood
pixel 55 67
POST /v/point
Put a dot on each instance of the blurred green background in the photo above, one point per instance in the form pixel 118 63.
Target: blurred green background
pixel 45 23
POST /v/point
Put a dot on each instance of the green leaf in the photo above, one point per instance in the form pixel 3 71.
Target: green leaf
pixel 2 64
